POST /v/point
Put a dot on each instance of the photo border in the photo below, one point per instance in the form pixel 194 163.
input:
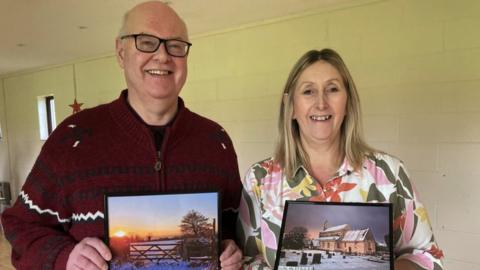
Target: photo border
pixel 108 195
pixel 359 204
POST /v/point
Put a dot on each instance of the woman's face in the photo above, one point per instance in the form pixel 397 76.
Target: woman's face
pixel 319 103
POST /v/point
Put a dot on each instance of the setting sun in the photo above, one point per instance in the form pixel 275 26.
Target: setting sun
pixel 120 234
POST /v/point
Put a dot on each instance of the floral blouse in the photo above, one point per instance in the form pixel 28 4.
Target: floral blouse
pixel 382 178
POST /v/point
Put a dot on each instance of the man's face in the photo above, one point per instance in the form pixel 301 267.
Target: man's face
pixel 157 75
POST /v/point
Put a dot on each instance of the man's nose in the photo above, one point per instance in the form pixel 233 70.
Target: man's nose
pixel 161 53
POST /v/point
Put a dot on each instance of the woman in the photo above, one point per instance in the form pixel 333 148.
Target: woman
pixel 322 156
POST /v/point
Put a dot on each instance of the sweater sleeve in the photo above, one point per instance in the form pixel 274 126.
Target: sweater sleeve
pixel 412 231
pixel 231 191
pixel 248 226
pixel 36 225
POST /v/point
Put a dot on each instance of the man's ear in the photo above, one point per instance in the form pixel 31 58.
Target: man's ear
pixel 120 52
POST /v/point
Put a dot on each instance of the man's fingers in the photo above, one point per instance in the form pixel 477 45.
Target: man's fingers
pixel 74 267
pixel 232 266
pixel 231 257
pixel 234 258
pixel 90 253
pixel 88 261
pixel 100 247
pixel 229 247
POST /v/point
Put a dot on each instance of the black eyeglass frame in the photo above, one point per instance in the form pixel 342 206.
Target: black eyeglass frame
pixel 161 40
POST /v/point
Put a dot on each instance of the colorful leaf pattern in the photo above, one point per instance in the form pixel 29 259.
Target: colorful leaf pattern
pixel 335 187
pixel 382 177
pixel 421 212
pixel 436 252
pixel 306 187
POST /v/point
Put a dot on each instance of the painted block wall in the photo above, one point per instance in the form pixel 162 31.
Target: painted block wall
pixel 416 64
pixel 21 93
pixel 4 159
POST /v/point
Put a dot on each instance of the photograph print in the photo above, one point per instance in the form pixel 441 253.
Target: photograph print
pixel 163 231
pixel 327 236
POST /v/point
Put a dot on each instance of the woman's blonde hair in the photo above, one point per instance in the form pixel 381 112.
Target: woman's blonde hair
pixel 289 151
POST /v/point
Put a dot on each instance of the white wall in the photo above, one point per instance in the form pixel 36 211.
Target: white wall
pixel 4 160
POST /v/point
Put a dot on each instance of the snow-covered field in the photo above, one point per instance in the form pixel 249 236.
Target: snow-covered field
pixel 164 265
pixel 163 249
pixel 334 263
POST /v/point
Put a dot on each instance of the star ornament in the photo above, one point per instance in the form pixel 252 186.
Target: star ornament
pixel 76 107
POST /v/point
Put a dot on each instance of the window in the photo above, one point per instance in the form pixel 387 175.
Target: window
pixel 46 115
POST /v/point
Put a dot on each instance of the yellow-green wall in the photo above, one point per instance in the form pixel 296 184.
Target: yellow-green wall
pixel 416 64
pixel 4 160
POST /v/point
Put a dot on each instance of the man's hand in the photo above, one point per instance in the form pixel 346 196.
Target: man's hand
pixel 231 258
pixel 90 254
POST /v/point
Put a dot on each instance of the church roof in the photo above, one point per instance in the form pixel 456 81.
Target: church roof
pixel 356 235
pixel 328 238
pixel 337 228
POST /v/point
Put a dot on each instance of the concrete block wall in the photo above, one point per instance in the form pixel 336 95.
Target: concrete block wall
pixel 416 64
pixel 417 67
pixel 4 159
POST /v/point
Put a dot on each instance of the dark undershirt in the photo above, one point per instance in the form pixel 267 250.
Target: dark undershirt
pixel 158 132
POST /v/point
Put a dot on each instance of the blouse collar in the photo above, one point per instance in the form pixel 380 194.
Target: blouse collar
pixel 344 169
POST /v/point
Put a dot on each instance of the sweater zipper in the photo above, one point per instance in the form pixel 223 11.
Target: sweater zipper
pixel 158 163
pixel 161 185
pixel 158 169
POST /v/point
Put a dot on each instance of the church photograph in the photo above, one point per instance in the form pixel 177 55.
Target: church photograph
pixel 321 235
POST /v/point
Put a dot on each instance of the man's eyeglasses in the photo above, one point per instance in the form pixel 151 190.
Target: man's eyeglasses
pixel 148 44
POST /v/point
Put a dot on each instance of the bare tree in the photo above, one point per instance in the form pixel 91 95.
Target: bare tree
pixel 194 223
pixel 295 238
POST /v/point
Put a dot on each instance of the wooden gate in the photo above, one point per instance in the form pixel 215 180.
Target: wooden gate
pixel 155 251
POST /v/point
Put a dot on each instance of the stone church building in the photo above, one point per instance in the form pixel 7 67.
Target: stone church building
pixel 342 239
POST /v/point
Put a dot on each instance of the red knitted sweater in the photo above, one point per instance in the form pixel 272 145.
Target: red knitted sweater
pixel 107 149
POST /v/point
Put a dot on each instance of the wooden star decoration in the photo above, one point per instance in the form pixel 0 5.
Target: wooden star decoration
pixel 76 106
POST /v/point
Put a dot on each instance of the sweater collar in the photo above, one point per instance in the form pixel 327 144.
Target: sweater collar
pixel 137 130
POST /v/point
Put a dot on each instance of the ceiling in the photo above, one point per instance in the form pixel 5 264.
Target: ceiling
pixel 38 33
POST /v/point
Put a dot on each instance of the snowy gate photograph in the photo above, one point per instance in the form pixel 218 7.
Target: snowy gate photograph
pixel 327 236
pixel 163 231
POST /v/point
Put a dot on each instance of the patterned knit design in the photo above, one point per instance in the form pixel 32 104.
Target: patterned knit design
pixel 107 149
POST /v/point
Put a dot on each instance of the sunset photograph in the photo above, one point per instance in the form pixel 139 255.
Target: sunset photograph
pixel 163 231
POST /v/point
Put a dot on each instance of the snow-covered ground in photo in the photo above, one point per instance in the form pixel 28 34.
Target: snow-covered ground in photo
pixel 163 265
pixel 336 262
pixel 149 248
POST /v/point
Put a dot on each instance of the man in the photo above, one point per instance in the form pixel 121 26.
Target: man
pixel 145 141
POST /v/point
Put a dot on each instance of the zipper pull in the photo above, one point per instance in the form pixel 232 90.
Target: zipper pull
pixel 158 164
